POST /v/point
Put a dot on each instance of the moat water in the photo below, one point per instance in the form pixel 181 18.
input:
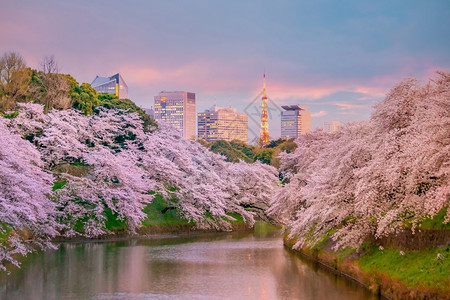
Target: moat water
pixel 222 266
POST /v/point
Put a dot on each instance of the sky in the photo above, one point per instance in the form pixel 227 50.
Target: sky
pixel 339 58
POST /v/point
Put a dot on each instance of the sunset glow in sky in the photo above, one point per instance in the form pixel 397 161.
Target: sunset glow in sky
pixel 337 57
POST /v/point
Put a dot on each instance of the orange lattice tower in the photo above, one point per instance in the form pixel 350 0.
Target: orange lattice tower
pixel 264 132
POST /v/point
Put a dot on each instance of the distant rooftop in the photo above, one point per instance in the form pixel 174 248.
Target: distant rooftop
pixel 102 80
pixel 215 108
pixel 294 107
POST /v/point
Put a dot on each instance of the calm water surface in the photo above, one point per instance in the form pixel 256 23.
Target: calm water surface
pixel 233 266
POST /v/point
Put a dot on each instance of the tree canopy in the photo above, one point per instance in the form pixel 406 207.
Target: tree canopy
pixel 372 177
pixel 124 166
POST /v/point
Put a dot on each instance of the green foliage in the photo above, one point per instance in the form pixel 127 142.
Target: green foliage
pixel 244 148
pixel 5 230
pixel 225 148
pixel 324 241
pixel 288 146
pixel 58 185
pixel 79 163
pixel 170 188
pixel 237 150
pixel 79 224
pixel 434 223
pixel 106 96
pixel 416 268
pixel 159 212
pixel 279 146
pixel 204 143
pixel 238 217
pixel 112 221
pixel 10 115
pixel 275 143
pixel 84 97
pixel 437 222
pixel 265 155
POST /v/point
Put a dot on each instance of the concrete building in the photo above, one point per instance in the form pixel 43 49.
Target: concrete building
pixel 112 85
pixel 295 120
pixel 220 123
pixel 331 126
pixel 178 109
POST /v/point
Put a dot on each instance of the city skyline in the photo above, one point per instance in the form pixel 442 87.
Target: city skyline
pixel 178 108
pixel 295 120
pixel 337 58
pixel 222 123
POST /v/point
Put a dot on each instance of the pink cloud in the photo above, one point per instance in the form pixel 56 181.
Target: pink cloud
pixel 317 90
pixel 212 77
pixel 346 106
pixel 319 114
pixel 202 75
pixel 348 113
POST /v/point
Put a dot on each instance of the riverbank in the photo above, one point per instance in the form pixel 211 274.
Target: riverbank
pixel 160 219
pixel 157 231
pixel 386 271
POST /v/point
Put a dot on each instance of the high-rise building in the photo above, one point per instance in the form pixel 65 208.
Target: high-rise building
pixel 219 123
pixel 295 120
pixel 178 109
pixel 112 85
pixel 331 126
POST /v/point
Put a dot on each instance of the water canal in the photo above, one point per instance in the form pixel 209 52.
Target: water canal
pixel 221 266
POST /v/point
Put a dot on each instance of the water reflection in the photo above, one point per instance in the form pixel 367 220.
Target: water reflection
pixel 233 266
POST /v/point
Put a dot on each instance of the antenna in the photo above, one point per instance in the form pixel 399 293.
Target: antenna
pixel 264 131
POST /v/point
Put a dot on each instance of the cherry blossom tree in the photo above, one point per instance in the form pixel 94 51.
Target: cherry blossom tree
pixel 104 144
pixel 206 186
pixel 123 163
pixel 371 177
pixel 24 205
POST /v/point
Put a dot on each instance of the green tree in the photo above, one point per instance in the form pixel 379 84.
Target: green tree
pixel 264 155
pixel 288 146
pixel 275 143
pixel 106 96
pixel 205 143
pixel 84 97
pixel 244 148
pixel 232 155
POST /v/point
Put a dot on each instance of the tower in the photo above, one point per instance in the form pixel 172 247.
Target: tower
pixel 264 132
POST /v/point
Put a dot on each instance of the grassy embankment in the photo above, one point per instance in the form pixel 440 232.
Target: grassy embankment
pixel 417 274
pixel 160 217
